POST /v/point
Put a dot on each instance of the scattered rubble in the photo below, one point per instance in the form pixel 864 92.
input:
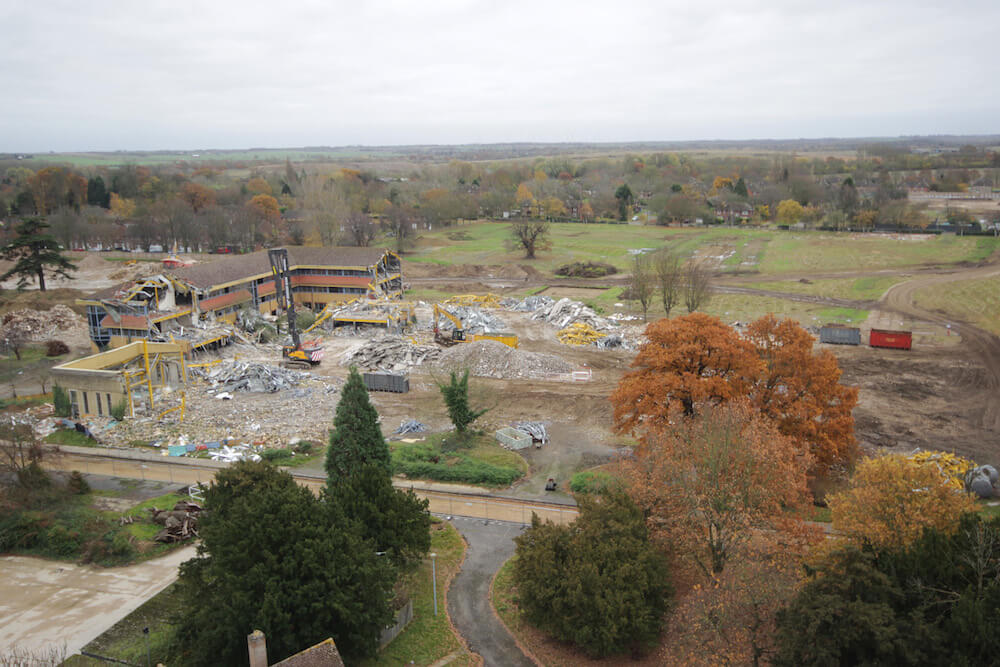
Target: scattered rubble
pixel 390 354
pixel 613 342
pixel 410 426
pixel 489 358
pixel 250 376
pixel 528 304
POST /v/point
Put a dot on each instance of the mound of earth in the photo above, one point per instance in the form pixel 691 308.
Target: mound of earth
pixel 488 358
pixel 586 270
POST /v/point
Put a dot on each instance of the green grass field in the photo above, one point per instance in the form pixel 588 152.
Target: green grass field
pixel 870 288
pixel 974 301
pixel 766 251
pixel 482 462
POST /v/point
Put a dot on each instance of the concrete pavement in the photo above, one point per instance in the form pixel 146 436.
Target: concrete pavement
pixel 48 604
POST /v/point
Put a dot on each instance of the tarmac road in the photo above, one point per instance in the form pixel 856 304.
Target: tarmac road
pixel 490 545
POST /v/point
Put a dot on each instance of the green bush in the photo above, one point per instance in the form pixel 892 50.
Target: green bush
pixel 275 455
pixel 304 319
pixel 60 402
pixel 119 409
pixel 304 447
pixel 76 484
pixel 591 481
pixel 424 461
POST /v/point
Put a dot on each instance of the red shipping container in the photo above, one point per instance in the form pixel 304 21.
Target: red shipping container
pixel 898 340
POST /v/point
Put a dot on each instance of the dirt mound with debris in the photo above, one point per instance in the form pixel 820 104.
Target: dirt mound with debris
pixel 489 358
pixel 390 354
pixel 586 270
pixel 27 325
pixel 487 271
pixel 134 271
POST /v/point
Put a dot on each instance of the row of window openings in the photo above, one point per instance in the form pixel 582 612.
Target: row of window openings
pixel 86 402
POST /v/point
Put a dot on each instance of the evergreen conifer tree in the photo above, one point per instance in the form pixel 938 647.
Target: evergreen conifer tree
pixel 34 252
pixel 356 440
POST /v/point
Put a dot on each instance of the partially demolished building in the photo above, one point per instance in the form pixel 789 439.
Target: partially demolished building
pixel 190 302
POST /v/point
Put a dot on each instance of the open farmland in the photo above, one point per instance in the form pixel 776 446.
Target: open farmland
pixel 765 252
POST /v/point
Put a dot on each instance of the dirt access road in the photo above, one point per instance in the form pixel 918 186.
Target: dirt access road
pixel 48 605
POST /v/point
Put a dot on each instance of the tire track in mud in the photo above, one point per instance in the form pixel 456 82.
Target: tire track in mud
pixel 982 346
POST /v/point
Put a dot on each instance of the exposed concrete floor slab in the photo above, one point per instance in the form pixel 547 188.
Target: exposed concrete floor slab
pixel 50 604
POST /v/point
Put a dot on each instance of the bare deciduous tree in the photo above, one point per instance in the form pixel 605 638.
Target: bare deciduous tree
pixel 19 450
pixel 697 287
pixel 530 235
pixel 669 275
pixel 642 282
pixel 359 230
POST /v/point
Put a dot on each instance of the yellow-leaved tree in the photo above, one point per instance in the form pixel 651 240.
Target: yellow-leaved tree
pixel 891 499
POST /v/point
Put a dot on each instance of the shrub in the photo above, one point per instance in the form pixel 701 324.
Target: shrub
pixel 60 402
pixel 591 481
pixel 119 409
pixel 424 461
pixel 304 319
pixel 304 447
pixel 586 270
pixel 54 348
pixel 597 582
pixel 76 484
pixel 276 455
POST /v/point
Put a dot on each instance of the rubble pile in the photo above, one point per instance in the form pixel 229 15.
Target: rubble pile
pixel 179 524
pixel 473 320
pixel 250 376
pixel 579 333
pixel 535 429
pixel 489 358
pixel 410 426
pixel 479 300
pixel 27 325
pixel 390 354
pixel 613 342
pixel 528 304
pixel 566 311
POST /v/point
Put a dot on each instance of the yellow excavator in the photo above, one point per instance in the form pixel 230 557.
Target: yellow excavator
pixel 299 354
pixel 459 335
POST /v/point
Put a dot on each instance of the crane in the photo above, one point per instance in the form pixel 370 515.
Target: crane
pixel 298 354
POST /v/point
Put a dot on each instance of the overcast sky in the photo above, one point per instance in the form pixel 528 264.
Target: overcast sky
pixel 139 74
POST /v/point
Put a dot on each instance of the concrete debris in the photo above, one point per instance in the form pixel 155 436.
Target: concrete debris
pixel 623 317
pixel 250 376
pixel 982 481
pixel 613 342
pixel 390 354
pixel 528 304
pixel 566 311
pixel 410 426
pixel 489 358
pixel 234 454
pixel 27 325
pixel 535 429
pixel 474 320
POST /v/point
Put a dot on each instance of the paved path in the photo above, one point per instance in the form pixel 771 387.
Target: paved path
pixel 468 598
pixel 48 604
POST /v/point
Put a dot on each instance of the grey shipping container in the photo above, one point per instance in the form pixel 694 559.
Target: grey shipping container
pixel 387 382
pixel 840 335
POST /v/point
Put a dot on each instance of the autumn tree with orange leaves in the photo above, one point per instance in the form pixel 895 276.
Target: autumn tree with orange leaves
pixel 708 482
pixel 695 361
pixel 688 361
pixel 801 392
pixel 891 499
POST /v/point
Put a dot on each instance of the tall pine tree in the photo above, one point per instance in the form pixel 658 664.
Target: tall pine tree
pixel 356 440
pixel 35 252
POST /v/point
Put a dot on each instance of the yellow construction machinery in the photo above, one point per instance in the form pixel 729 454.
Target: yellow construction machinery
pixel 299 354
pixel 459 335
